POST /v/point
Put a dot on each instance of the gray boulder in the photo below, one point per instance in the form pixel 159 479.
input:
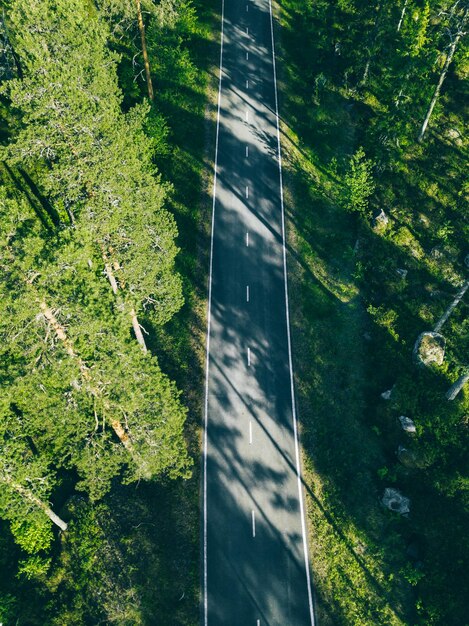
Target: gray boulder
pixel 386 395
pixel 394 501
pixel 407 424
pixel 380 221
pixel 429 349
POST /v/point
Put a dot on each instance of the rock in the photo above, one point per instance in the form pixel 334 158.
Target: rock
pixel 381 220
pixel 411 458
pixel 454 135
pixel 386 395
pixel 394 501
pixel 407 424
pixel 402 272
pixel 429 348
pixel 424 219
pixel 407 457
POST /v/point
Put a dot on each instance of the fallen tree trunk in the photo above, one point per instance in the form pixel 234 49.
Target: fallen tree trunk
pixel 458 385
pixel 29 495
pixel 451 307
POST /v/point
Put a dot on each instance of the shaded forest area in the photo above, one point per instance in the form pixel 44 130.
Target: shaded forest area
pixel 374 108
pixel 104 128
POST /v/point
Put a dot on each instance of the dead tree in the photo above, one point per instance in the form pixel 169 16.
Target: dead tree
pixel 146 61
pixel 455 38
pixel 458 385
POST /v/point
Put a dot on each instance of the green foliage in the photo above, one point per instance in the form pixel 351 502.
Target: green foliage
pixel 386 318
pixel 8 607
pixel 358 184
pixel 35 567
pixel 79 393
pixel 33 535
pixel 415 28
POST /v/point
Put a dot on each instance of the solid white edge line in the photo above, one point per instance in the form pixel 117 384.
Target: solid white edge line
pixel 209 315
pixel 253 523
pixel 290 361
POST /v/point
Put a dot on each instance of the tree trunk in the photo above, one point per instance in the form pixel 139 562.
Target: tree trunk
pixel 28 495
pixel 133 316
pixel 444 71
pixel 84 370
pixel 138 330
pixel 372 43
pixel 451 307
pixel 458 385
pixel 146 61
pixel 109 273
pixel 402 15
pixel 366 71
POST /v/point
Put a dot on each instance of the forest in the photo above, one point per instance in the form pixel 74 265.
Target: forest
pixel 107 135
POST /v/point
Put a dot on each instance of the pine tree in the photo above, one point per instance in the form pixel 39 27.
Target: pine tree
pixel 95 162
pixel 358 183
pixel 88 398
pixel 26 480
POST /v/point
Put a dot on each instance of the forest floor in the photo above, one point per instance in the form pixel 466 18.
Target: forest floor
pixel 363 557
pixel 351 572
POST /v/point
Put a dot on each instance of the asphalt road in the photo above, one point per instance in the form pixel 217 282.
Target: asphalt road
pixel 255 570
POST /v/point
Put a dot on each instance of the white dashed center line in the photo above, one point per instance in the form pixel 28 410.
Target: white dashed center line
pixel 247 115
pixel 253 515
pixel 247 152
pixel 247 240
pixel 247 293
pixel 247 83
pixel 250 431
pixel 247 56
pixel 247 192
pixel 249 357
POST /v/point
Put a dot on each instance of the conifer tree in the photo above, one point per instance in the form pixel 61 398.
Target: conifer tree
pixel 96 162
pixel 87 397
pixel 26 481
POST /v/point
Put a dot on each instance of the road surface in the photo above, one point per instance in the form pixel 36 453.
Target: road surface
pixel 255 563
